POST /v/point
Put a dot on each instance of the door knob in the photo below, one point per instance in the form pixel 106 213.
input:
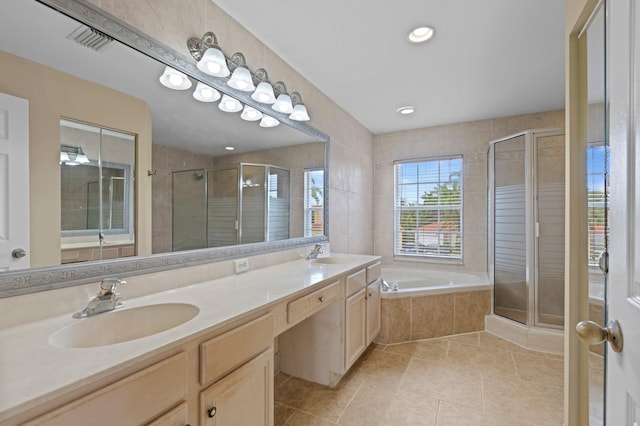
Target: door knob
pixel 593 334
pixel 18 253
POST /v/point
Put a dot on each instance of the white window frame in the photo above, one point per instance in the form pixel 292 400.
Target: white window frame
pixel 309 211
pixel 397 208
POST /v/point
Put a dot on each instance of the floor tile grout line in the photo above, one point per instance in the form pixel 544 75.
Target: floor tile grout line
pixel 350 402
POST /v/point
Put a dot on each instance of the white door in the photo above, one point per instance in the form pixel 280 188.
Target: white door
pixel 14 182
pixel 623 368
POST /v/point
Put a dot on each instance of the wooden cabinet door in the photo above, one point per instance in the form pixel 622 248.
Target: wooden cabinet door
pixel 373 311
pixel 178 416
pixel 356 323
pixel 244 397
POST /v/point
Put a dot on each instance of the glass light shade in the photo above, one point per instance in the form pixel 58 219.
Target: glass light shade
pixel 264 93
pixel 214 63
pixel 229 104
pixel 174 79
pixel 204 93
pixel 241 79
pixel 268 121
pixel 250 114
pixel 82 159
pixel 64 157
pixel 300 113
pixel 283 104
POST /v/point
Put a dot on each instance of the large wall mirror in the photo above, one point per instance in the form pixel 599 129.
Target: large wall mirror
pixel 127 176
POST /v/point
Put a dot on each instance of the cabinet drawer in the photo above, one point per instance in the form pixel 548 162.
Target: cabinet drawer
pixel 224 353
pixel 134 400
pixel 178 416
pixel 374 272
pixel 307 305
pixel 356 282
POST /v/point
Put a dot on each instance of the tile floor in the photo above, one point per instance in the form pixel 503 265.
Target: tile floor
pixel 467 379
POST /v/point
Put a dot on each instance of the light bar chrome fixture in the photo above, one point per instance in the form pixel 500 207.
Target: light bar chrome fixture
pixel 241 78
pixel 210 58
pixel 204 93
pixel 299 112
pixel 72 156
pixel 174 79
pixel 283 101
pixel 264 92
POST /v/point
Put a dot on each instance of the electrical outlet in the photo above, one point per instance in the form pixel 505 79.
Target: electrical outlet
pixel 242 265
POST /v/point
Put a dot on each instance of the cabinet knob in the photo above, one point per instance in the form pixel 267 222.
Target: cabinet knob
pixel 212 411
pixel 321 299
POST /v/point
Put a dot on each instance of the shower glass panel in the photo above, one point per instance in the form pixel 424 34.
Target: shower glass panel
pixel 189 210
pixel 253 222
pixel 550 230
pixel 510 242
pixel 223 207
pixel 278 204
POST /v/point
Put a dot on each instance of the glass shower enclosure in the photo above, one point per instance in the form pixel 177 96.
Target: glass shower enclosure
pixel 228 205
pixel 526 227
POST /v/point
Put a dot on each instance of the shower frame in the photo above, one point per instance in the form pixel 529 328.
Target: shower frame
pixel 532 230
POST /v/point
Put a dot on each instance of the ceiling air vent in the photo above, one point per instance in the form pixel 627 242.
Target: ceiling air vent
pixel 88 37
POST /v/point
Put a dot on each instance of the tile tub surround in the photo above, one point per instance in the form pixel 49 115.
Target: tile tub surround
pixel 35 372
pixel 468 379
pixel 423 317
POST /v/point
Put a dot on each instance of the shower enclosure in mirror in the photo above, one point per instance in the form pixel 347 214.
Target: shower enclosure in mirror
pixel 236 204
pixel 96 192
pixel 526 227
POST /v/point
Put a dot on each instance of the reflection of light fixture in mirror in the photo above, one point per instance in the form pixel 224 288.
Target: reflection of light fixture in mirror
pixel 241 78
pixel 174 79
pixel 283 101
pixel 204 93
pixel 250 114
pixel 229 148
pixel 72 156
pixel 229 104
pixel 264 92
pixel 406 110
pixel 210 58
pixel 299 112
pixel 268 121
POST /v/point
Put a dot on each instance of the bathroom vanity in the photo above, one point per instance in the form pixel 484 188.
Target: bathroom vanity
pixel 215 368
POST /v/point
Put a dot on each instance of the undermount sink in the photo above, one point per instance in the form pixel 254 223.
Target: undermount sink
pixel 123 325
pixel 331 260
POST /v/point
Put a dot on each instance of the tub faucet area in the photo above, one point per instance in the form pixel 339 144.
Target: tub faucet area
pixel 106 299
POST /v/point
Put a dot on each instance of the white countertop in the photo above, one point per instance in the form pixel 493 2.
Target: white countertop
pixel 32 370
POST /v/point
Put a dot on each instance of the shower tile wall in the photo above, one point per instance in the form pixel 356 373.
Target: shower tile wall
pixel 471 139
pixel 165 160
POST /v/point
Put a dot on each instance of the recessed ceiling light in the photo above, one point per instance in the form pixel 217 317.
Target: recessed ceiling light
pixel 421 34
pixel 229 148
pixel 406 110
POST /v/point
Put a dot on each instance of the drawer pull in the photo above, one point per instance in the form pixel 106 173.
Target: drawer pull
pixel 212 411
pixel 321 299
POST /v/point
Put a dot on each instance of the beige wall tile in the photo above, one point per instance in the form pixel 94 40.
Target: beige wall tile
pixel 399 320
pixel 470 308
pixel 432 316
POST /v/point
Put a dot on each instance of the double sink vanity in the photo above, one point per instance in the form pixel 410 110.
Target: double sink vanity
pixel 202 354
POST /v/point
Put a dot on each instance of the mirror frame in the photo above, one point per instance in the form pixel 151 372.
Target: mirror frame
pixel 25 281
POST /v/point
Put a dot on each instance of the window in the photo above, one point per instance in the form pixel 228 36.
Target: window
pixel 428 208
pixel 313 202
pixel 598 231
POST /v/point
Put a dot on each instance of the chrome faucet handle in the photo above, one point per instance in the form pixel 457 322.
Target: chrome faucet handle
pixel 108 286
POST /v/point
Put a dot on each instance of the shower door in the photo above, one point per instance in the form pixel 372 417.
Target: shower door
pixel 189 220
pixel 509 228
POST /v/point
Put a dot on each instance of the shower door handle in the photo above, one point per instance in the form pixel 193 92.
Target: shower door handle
pixel 591 333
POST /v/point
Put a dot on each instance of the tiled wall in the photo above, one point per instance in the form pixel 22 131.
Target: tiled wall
pixel 351 168
pixel 470 139
pixel 425 317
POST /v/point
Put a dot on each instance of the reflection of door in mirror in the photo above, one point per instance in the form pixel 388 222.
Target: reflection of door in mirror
pixel 97 192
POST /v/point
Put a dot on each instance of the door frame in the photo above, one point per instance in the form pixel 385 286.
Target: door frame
pixel 576 354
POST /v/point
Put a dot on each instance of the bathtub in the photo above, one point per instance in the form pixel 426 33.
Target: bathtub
pixel 413 282
pixel 432 304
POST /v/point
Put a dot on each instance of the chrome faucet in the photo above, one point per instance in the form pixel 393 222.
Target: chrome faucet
pixel 317 251
pixel 105 300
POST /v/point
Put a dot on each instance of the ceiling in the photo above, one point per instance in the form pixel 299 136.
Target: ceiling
pixel 488 59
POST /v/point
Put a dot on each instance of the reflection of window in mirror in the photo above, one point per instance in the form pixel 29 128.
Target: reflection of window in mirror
pixel 97 192
pixel 313 202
